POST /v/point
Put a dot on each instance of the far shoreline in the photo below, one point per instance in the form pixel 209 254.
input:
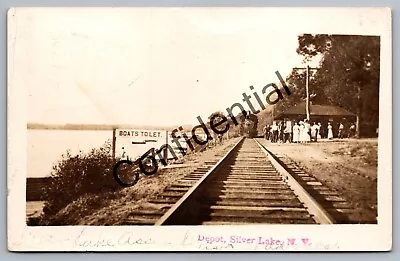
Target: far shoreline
pixel 98 127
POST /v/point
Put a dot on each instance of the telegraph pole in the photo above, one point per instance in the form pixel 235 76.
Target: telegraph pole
pixel 308 68
pixel 308 93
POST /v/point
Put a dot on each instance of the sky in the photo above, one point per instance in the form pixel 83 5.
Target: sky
pixel 155 66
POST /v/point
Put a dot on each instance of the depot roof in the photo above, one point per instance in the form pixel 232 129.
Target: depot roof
pixel 316 110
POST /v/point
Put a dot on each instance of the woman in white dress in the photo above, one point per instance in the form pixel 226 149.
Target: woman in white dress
pixel 296 133
pixel 301 132
pixel 314 129
pixel 330 132
pixel 306 131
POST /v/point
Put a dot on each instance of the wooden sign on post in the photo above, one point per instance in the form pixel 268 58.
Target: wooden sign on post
pixel 133 143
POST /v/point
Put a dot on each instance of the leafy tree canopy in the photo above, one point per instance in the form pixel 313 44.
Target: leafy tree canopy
pixel 348 75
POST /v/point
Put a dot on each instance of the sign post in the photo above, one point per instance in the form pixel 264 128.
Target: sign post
pixel 113 144
pixel 166 147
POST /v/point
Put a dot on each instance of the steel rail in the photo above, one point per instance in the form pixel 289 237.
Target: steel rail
pixel 320 215
pixel 180 205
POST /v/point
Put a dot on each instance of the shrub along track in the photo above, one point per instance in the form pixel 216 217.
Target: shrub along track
pixel 247 185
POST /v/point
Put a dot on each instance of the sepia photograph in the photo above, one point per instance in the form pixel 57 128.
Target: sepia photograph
pixel 220 120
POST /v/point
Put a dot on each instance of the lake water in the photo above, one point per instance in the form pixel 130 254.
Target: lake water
pixel 45 147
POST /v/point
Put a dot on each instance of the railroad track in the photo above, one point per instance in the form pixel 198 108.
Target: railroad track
pixel 247 185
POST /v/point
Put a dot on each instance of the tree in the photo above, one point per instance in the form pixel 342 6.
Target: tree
pixel 215 114
pixel 296 82
pixel 348 74
pixel 218 115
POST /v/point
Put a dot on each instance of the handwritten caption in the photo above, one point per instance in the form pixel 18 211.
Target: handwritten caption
pixel 86 240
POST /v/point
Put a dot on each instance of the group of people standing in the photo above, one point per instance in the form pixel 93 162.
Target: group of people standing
pixel 302 131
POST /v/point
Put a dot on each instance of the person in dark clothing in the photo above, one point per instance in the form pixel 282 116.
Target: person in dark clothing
pixel 352 131
pixel 280 131
pixel 340 131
